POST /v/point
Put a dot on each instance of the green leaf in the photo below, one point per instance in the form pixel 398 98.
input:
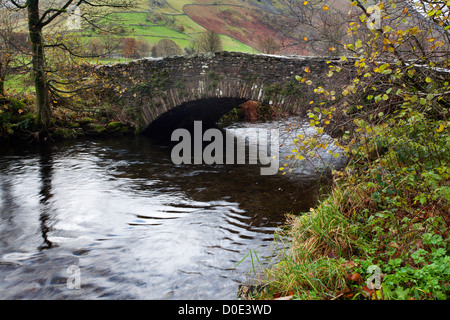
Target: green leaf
pixel 422 199
pixel 387 29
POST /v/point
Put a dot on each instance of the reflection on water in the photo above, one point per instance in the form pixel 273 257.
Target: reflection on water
pixel 137 226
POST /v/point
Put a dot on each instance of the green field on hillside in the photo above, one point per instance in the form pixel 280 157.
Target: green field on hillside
pixel 168 22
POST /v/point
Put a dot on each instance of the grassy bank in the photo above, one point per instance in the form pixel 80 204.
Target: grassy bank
pixel 383 232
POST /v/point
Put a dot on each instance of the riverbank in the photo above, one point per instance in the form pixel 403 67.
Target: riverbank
pixel 383 232
pixel 18 122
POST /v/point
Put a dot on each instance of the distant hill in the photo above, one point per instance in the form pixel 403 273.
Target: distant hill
pixel 249 22
pixel 242 24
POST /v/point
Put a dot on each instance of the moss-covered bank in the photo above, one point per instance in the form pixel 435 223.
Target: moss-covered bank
pixel 18 122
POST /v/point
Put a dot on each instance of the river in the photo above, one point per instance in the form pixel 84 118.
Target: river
pixel 116 219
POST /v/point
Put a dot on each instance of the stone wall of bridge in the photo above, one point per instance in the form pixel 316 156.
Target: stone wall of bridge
pixel 206 86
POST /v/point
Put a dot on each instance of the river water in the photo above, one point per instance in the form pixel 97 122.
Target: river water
pixel 116 219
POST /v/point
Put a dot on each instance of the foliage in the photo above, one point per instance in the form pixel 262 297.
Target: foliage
pixel 389 207
pixel 15 118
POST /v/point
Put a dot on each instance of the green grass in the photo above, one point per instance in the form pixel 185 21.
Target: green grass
pixel 139 28
pixel 179 4
pixel 19 84
pixel 190 25
pixel 158 31
pixel 231 44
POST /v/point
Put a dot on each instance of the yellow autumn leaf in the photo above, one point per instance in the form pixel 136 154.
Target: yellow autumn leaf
pixel 305 39
pixel 307 70
pixel 325 8
pixel 441 128
pixel 305 3
pixel 414 31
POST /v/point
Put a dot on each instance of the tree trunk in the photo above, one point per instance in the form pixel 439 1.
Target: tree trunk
pixel 2 82
pixel 39 66
pixel 2 88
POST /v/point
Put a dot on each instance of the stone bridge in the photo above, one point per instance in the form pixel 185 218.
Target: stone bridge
pixel 172 92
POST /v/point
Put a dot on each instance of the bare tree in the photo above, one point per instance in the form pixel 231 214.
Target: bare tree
pixel 210 41
pixel 96 47
pixel 268 45
pixel 166 47
pixel 318 24
pixel 142 48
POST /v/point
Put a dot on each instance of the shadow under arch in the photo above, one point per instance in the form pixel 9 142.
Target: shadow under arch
pixel 207 110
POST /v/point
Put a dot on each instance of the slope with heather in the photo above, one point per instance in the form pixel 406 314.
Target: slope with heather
pixel 247 23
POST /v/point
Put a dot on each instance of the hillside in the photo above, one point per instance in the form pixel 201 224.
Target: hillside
pixel 247 22
pixel 242 24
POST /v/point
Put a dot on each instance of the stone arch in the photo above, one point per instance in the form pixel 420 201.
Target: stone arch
pixel 208 110
pixel 222 80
